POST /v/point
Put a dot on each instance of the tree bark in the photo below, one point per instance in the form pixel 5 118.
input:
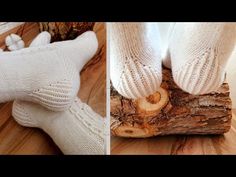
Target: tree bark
pixel 182 113
pixel 65 30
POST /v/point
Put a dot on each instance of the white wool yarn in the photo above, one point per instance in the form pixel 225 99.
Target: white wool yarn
pixel 41 39
pixel 78 130
pixel 135 58
pixel 199 53
pixel 48 74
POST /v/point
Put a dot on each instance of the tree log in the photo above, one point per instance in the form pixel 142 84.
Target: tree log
pixel 171 111
pixel 65 30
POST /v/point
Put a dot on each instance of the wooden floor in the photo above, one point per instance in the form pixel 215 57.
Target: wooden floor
pixel 178 144
pixel 15 139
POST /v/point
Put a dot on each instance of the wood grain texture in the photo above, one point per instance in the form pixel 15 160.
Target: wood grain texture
pixel 6 26
pixel 15 139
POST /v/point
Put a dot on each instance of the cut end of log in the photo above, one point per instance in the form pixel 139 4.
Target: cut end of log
pixel 132 132
pixel 153 103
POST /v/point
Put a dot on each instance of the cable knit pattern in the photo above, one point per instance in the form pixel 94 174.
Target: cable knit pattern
pixel 92 122
pixel 47 75
pixel 79 130
pixel 135 56
pixel 199 53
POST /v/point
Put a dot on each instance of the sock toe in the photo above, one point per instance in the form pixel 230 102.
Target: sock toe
pixel 88 43
pixel 41 39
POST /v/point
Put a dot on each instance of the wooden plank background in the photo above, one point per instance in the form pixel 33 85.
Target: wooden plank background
pixel 15 139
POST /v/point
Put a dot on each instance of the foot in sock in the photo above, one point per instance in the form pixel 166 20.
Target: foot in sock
pixel 87 45
pixel 199 53
pixel 41 39
pixel 78 130
pixel 47 75
pixel 135 58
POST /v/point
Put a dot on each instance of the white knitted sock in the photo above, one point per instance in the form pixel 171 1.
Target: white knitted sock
pixel 87 45
pixel 135 55
pixel 87 42
pixel 47 75
pixel 41 39
pixel 78 130
pixel 199 53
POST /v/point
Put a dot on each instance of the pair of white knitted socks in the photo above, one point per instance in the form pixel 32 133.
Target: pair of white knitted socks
pixel 46 74
pixel 53 71
pixel 196 52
